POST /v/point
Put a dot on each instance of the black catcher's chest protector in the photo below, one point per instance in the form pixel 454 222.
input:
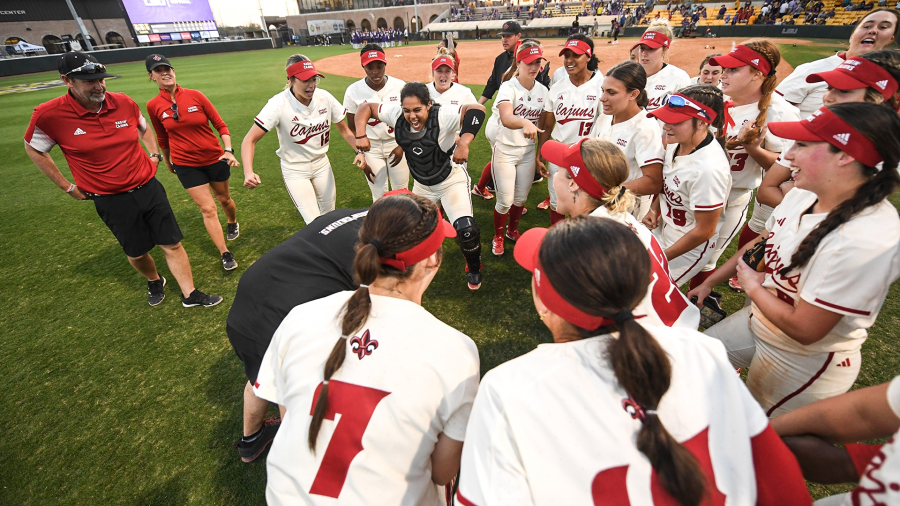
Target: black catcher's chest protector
pixel 428 164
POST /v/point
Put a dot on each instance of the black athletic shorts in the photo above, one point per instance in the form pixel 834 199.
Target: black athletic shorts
pixel 140 219
pixel 196 176
pixel 249 350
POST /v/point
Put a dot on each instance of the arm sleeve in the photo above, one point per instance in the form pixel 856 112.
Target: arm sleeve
pixel 36 137
pixel 267 118
pixel 709 191
pixel 213 116
pixel 389 114
pixel 162 136
pixel 778 476
pixel 648 144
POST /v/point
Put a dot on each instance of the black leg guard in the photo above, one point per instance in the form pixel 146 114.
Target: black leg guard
pixel 469 238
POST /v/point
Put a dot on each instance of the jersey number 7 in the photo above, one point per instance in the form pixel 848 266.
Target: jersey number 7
pixel 355 404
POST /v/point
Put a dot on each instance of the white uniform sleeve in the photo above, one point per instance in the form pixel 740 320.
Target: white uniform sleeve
pixel 267 118
pixel 507 93
pixel 550 101
pixel 459 401
pixel 781 160
pixel 777 144
pixel 794 88
pixel 709 191
pixel 648 146
pixel 349 102
pixel 684 80
pixel 389 114
pixel 491 470
pixel 893 395
pixel 269 380
pixel 470 97
pixel 449 118
pixel 848 273
pixel 338 112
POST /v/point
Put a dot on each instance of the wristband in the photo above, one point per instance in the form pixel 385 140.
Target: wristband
pixel 156 155
pixel 472 121
pixel 229 150
pixel 361 136
pixel 71 188
pixel 359 152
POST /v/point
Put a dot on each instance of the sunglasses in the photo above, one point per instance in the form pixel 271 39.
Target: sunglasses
pixel 89 68
pixel 679 101
pixel 175 110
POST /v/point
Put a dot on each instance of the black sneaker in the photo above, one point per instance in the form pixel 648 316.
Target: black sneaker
pixel 228 261
pixel 233 231
pixel 155 293
pixel 250 451
pixel 537 178
pixel 199 298
pixel 473 279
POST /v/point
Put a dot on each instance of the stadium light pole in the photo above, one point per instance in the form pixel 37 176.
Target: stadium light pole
pixel 416 14
pixel 84 32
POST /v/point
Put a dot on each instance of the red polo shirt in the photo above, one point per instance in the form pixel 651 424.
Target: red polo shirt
pixel 102 148
pixel 190 139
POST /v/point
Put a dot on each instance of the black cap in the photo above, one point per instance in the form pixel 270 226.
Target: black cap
pixel 155 60
pixel 69 62
pixel 511 28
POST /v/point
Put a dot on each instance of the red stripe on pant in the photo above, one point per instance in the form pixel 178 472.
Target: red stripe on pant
pixel 804 387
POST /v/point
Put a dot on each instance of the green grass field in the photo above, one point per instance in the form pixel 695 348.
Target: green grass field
pixel 111 401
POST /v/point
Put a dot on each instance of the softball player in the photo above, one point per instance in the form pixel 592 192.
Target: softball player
pixel 512 132
pixel 302 115
pixel 385 158
pixel 625 124
pixel 443 90
pixel 696 180
pixel 386 422
pixel 572 105
pixel 877 29
pixel 435 140
pixel 832 252
pixel 709 73
pixel 749 80
pixel 596 171
pixel 683 430
pixel 653 51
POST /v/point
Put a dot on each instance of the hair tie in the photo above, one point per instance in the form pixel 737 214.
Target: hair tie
pixel 621 193
pixel 363 286
pixel 325 383
pixel 622 316
pixel 650 412
pixel 377 244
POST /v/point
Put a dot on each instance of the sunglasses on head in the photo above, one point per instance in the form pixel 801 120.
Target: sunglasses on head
pixel 175 110
pixel 679 101
pixel 89 68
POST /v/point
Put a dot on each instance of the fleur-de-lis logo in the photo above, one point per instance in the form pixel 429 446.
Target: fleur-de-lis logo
pixel 364 345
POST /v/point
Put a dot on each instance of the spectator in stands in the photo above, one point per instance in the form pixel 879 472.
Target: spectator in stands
pixel 727 19
pixel 722 12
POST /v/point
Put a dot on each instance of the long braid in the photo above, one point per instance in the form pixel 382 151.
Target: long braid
pixel 879 125
pixel 770 52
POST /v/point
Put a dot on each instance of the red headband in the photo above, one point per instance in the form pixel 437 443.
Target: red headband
pixel 653 40
pixel 370 56
pixel 577 46
pixel 826 126
pixel 425 248
pixel 526 254
pixel 856 73
pixel 570 158
pixel 443 60
pixel 740 56
pixel 303 70
pixel 529 55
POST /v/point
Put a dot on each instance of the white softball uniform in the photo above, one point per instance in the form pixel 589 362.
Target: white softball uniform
pixel 808 96
pixel 696 80
pixel 746 173
pixel 457 96
pixel 664 303
pixel 558 75
pixel 381 137
pixel 406 379
pixel 699 181
pixel 668 80
pixel 640 139
pixel 526 445
pixel 849 274
pixel 575 109
pixel 303 136
pixel 512 161
pixel 452 193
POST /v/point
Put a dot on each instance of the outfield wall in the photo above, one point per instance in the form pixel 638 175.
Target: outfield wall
pixel 775 31
pixel 32 64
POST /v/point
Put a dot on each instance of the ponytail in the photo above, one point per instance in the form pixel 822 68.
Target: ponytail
pixel 770 52
pixel 608 166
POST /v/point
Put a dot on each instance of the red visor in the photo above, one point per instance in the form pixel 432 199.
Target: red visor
pixel 857 73
pixel 370 56
pixel 443 60
pixel 424 249
pixel 577 47
pixel 570 158
pixel 673 113
pixel 303 70
pixel 526 254
pixel 529 55
pixel 653 40
pixel 826 126
pixel 740 56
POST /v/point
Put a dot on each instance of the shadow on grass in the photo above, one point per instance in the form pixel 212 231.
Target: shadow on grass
pixel 172 492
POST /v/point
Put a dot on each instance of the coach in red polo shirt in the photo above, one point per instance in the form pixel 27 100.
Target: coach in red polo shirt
pixel 98 134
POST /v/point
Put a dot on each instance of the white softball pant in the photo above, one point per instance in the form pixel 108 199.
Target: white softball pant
pixel 377 158
pixel 311 187
pixel 730 223
pixel 685 267
pixel 512 168
pixel 552 168
pixel 782 381
pixel 452 193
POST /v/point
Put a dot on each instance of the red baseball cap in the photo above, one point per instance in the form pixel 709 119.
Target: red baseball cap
pixel 526 254
pixel 370 56
pixel 443 60
pixel 826 126
pixel 740 56
pixel 530 54
pixel 653 40
pixel 577 46
pixel 569 157
pixel 680 108
pixel 303 70
pixel 856 73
